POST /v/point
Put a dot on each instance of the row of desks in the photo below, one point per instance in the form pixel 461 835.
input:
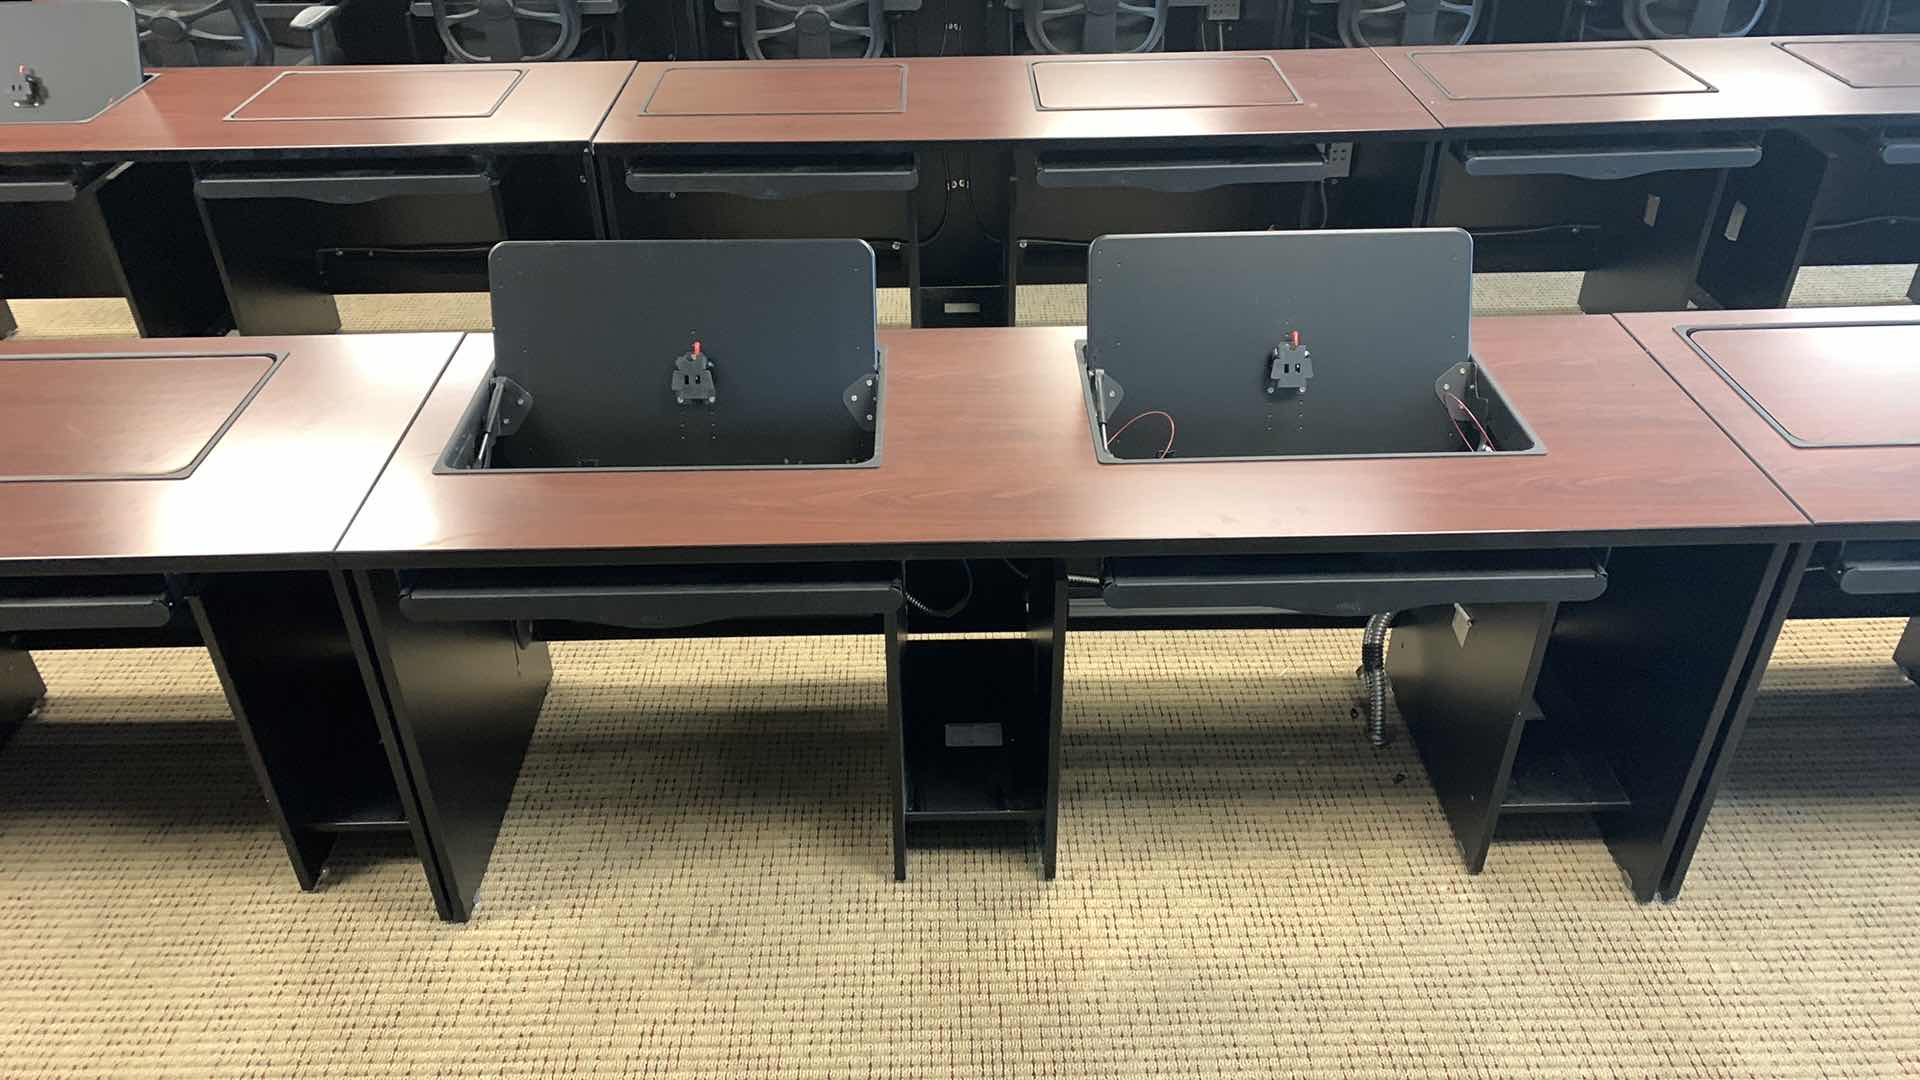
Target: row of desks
pixel 378 622
pixel 192 113
pixel 248 198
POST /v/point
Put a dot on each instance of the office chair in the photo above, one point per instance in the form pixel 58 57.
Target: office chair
pixel 234 32
pixel 483 31
pixel 1366 23
pixel 813 29
pixel 1652 19
pixel 1098 26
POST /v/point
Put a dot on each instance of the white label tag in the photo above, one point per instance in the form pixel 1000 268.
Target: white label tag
pixel 973 735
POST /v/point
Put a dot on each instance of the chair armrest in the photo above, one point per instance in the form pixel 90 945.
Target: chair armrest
pixel 313 19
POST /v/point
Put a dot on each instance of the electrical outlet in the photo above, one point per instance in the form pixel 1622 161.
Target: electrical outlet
pixel 1339 160
pixel 1223 10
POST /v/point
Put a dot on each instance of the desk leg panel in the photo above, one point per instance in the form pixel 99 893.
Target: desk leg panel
pixel 1754 264
pixel 1654 265
pixel 172 279
pixel 21 690
pixel 1913 294
pixel 1649 671
pixel 282 649
pixel 1907 653
pixel 7 324
pixel 462 700
pixel 1464 690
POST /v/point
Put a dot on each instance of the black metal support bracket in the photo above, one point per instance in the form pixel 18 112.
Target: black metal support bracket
pixel 693 377
pixel 863 401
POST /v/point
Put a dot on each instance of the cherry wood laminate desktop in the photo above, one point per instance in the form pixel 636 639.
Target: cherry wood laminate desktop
pixel 279 484
pixel 986 443
pixel 1846 375
pixel 1684 80
pixel 1012 99
pixel 240 110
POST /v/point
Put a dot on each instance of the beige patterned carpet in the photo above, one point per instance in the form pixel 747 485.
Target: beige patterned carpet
pixel 693 882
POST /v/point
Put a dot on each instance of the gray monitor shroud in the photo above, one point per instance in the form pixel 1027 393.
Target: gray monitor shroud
pixel 1200 328
pixel 595 361
pixel 66 61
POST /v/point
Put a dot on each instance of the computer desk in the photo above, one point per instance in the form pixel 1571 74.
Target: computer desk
pixel 885 149
pixel 305 182
pixel 182 492
pixel 1855 469
pixel 1565 135
pixel 986 454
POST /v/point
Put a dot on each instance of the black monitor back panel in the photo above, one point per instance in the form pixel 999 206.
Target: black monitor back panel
pixel 65 61
pixel 1187 324
pixel 597 330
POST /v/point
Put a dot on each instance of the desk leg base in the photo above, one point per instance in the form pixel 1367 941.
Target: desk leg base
pixel 8 327
pixel 1466 699
pixel 460 701
pixel 1907 653
pixel 21 690
pixel 1913 290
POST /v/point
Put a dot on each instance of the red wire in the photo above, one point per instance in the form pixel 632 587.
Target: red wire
pixel 1484 437
pixel 1171 429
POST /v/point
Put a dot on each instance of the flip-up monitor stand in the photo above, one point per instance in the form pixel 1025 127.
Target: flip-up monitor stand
pixel 66 61
pixel 1287 345
pixel 678 354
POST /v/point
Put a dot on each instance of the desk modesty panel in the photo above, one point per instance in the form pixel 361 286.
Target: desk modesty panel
pixel 987 446
pixel 1011 99
pixel 198 111
pixel 222 449
pixel 1692 80
pixel 1827 401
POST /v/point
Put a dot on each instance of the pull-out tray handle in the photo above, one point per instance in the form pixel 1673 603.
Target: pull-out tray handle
pixel 1900 151
pixel 1602 163
pixel 1322 585
pixel 343 189
pixel 140 610
pixel 1877 577
pixel 769 182
pixel 1181 177
pixel 650 606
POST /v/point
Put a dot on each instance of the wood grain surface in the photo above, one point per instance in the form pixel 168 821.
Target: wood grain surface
pixel 117 416
pixel 982 98
pixel 986 441
pixel 1854 383
pixel 1598 83
pixel 280 485
pixel 185 112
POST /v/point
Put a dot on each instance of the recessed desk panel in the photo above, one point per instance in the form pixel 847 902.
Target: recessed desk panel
pixel 813 89
pixel 1826 401
pixel 201 112
pixel 118 417
pixel 279 482
pixel 1217 82
pixel 987 443
pixel 1731 82
pixel 424 93
pixel 1481 74
pixel 1000 99
pixel 1864 64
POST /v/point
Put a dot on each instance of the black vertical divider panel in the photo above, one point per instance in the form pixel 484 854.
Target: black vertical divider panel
pixel 172 279
pixel 1753 264
pixel 1652 667
pixel 21 690
pixel 461 699
pixel 281 646
pixel 1463 679
pixel 1785 568
pixel 1907 653
pixel 1651 266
